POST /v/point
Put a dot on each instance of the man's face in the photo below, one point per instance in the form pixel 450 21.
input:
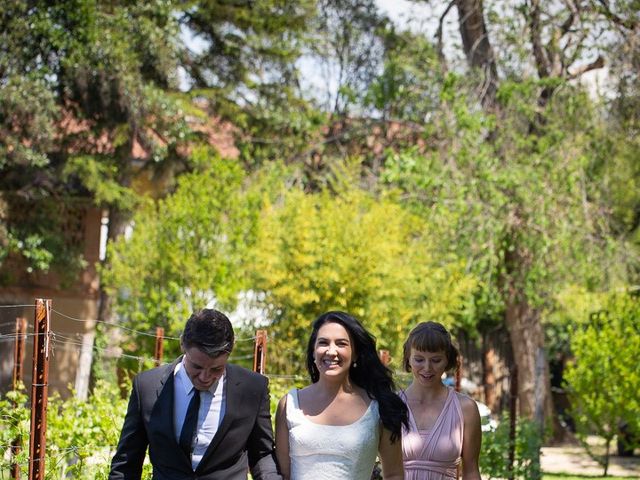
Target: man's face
pixel 202 369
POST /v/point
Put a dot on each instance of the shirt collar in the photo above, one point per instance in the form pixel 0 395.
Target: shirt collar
pixel 181 375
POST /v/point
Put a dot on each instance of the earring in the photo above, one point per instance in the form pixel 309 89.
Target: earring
pixel 355 364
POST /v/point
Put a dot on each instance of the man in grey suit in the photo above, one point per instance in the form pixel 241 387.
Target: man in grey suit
pixel 201 417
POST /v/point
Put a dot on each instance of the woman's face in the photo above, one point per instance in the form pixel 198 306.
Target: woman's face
pixel 333 350
pixel 427 367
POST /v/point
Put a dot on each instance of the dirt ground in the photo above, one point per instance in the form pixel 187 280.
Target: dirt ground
pixel 575 460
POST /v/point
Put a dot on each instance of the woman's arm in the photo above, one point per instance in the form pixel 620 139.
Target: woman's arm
pixel 471 440
pixel 390 456
pixel 282 439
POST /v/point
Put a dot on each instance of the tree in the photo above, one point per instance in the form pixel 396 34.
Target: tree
pixel 248 68
pixel 555 46
pixel 102 72
pixel 344 249
pixel 186 251
pixel 521 208
pixel 603 378
pixel 348 46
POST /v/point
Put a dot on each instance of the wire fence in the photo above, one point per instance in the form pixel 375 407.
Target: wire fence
pixel 66 453
pixel 65 340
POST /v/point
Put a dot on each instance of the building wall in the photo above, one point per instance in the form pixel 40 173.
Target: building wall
pixel 74 309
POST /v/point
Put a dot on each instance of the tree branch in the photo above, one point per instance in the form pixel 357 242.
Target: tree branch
pixel 597 63
pixel 605 10
pixel 477 47
pixel 439 33
pixel 542 63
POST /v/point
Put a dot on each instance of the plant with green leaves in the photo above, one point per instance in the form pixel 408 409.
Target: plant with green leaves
pixel 186 251
pixel 81 435
pixel 494 456
pixel 520 207
pixel 98 73
pixel 15 415
pixel 603 378
pixel 345 249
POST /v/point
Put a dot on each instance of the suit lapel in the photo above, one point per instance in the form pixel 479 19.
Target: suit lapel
pixel 232 401
pixel 162 412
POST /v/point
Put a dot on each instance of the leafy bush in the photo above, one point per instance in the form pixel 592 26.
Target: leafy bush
pixel 603 379
pixel 81 435
pixel 494 457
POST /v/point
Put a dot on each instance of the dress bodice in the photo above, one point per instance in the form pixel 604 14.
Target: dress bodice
pixel 436 453
pixel 328 452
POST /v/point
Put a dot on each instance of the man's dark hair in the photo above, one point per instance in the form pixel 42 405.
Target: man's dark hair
pixel 209 331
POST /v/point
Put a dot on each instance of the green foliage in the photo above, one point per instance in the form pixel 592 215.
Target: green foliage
pixel 247 69
pixel 247 44
pixel 347 39
pixel 15 415
pixel 38 232
pixel 571 307
pixel 353 252
pixel 408 89
pixel 185 252
pixel 498 193
pixel 603 378
pixel 97 73
pixel 99 175
pixel 282 127
pixel 81 435
pixel 494 456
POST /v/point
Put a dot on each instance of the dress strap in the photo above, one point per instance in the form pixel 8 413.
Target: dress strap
pixel 292 408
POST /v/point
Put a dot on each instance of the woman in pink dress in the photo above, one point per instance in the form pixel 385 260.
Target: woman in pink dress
pixel 444 426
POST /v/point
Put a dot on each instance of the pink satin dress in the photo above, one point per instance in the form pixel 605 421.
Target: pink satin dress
pixel 436 453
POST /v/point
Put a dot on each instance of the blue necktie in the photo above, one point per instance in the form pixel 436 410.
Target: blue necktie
pixel 190 423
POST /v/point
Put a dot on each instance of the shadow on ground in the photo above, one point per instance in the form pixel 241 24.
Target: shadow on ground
pixel 575 460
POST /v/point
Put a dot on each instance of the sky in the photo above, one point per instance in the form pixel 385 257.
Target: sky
pixel 415 15
pixel 403 13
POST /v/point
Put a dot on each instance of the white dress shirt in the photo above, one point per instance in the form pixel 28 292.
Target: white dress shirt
pixel 210 413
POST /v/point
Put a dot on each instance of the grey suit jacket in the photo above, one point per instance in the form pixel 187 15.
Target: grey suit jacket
pixel 243 441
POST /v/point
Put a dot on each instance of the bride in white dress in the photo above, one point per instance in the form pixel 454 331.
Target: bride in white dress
pixel 334 428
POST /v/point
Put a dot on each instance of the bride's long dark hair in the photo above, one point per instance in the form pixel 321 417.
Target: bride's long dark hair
pixel 367 372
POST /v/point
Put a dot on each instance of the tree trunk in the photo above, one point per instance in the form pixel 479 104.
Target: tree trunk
pixel 527 340
pixel 488 374
pixel 477 48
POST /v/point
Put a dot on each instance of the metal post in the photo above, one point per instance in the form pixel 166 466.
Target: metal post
pixel 158 352
pixel 18 358
pixel 39 389
pixel 260 352
pixel 385 358
pixel 513 394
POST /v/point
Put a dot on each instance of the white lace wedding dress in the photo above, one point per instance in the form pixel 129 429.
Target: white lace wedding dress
pixel 327 452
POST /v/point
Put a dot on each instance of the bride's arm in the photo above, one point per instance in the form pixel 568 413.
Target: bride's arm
pixel 390 456
pixel 282 439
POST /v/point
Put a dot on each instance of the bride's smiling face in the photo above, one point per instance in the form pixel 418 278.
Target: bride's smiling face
pixel 333 353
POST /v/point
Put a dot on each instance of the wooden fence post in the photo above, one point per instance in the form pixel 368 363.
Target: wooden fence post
pixel 260 352
pixel 39 389
pixel 159 343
